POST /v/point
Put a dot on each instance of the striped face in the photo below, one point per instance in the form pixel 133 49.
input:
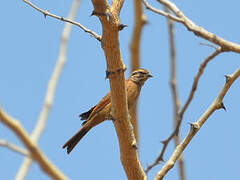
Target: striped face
pixel 139 76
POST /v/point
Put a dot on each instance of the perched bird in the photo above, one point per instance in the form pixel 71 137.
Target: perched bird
pixel 101 111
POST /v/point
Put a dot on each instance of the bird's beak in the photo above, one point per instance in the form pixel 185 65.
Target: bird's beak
pixel 150 76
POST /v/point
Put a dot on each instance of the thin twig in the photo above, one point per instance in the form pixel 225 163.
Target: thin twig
pixel 158 11
pixel 195 127
pixel 14 147
pixel 209 45
pixel 173 82
pixel 191 26
pixel 196 79
pixel 33 149
pixel 181 113
pixel 68 20
pixel 52 84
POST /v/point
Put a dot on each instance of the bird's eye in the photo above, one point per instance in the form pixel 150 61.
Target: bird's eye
pixel 139 73
pixel 134 73
pixel 142 73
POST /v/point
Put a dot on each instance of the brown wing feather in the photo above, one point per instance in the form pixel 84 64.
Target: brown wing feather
pixel 105 100
pixel 85 115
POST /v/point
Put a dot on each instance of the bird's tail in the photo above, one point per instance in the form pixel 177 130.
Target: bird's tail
pixel 71 143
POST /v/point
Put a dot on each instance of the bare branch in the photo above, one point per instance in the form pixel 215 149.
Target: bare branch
pixel 173 82
pixel 49 98
pixel 140 21
pixel 196 79
pixel 117 6
pixel 195 127
pixel 209 45
pixel 119 108
pixel 199 31
pixel 191 26
pixel 14 147
pixel 181 113
pixel 68 20
pixel 35 152
pixel 160 12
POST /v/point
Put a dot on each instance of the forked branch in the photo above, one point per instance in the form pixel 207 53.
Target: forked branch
pixel 52 85
pixel 14 147
pixel 191 26
pixel 34 151
pixel 185 106
pixel 195 127
pixel 47 13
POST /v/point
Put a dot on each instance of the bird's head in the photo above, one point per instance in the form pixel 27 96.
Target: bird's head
pixel 139 76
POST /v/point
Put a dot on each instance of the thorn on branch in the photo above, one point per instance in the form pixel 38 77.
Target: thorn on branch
pixel 45 14
pixel 164 142
pixel 147 7
pixel 121 70
pixel 122 26
pixel 227 78
pixel 161 160
pixel 94 13
pixel 145 23
pixel 118 71
pixel 134 145
pixel 144 20
pixel 221 106
pixel 108 74
pixel 194 126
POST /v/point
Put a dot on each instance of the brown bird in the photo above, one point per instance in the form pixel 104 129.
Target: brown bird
pixel 101 111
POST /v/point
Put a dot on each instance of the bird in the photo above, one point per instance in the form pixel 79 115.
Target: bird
pixel 101 111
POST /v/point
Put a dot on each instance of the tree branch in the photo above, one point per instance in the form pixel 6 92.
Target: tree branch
pixel 195 127
pixel 52 84
pixel 191 26
pixel 68 20
pixel 35 152
pixel 14 147
pixel 196 79
pixel 140 21
pixel 117 6
pixel 160 12
pixel 181 113
pixel 110 21
pixel 173 83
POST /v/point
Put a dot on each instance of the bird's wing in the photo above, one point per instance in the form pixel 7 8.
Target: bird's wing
pixel 105 101
pixel 85 115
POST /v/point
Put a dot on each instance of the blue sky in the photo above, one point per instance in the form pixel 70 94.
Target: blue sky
pixel 29 49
